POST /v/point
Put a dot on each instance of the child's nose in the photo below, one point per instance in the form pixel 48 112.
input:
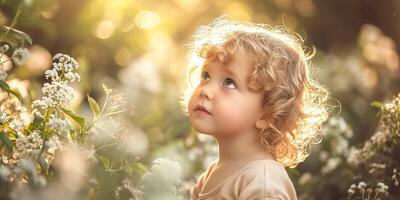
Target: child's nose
pixel 207 91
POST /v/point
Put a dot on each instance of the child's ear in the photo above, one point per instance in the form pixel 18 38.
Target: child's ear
pixel 261 123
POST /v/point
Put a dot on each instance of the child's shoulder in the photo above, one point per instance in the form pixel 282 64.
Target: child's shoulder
pixel 268 177
pixel 265 169
pixel 258 179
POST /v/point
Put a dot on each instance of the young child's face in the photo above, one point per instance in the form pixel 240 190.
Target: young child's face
pixel 222 104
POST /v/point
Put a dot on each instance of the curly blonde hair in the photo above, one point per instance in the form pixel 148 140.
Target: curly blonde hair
pixel 294 103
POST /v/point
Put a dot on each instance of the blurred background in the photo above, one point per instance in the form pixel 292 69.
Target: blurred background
pixel 137 47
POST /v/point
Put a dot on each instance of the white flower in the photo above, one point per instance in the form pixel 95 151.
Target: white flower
pixel 55 95
pixel 58 93
pixel 352 189
pixel 3 117
pixel 53 143
pixel 30 145
pixel 167 169
pixel 3 74
pixel 61 126
pixel 331 165
pixel 305 178
pixel 16 124
pixel 361 186
pixel 381 188
pixel 20 55
pixel 4 48
pixel 63 69
pixel 4 172
pixel 162 179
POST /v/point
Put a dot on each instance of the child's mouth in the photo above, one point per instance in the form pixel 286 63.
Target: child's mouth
pixel 200 108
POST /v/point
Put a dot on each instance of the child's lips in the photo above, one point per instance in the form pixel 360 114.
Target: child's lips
pixel 200 108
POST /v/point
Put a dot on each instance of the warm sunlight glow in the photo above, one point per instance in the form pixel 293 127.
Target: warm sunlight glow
pixel 146 19
pixel 105 29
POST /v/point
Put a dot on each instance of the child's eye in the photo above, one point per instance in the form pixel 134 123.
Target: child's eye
pixel 205 76
pixel 229 83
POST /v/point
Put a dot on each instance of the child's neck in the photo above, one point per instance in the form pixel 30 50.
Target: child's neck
pixel 244 148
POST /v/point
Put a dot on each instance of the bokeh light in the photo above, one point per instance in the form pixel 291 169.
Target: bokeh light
pixel 146 19
pixel 105 29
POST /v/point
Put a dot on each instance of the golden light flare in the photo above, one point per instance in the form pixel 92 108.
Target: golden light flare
pixel 39 60
pixel 239 11
pixel 127 24
pixel 188 4
pixel 147 19
pixel 370 77
pixel 305 8
pixel 49 13
pixel 123 56
pixel 105 29
pixel 283 4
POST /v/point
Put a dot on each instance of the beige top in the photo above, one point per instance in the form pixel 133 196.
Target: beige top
pixel 257 180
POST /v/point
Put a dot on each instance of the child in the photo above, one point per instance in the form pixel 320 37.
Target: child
pixel 255 96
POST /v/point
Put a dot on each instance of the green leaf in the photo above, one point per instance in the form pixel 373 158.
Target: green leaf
pixel 4 139
pixel 6 87
pixel 377 104
pixel 106 89
pixel 78 119
pixel 37 120
pixel 135 167
pixel 14 37
pixel 106 163
pixel 94 105
pixel 16 94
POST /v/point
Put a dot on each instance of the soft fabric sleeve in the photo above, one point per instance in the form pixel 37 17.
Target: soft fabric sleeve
pixel 195 190
pixel 271 184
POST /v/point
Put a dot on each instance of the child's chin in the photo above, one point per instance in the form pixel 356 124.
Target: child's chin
pixel 201 130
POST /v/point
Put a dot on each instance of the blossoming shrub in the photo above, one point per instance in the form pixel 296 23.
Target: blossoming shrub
pixel 377 161
pixel 50 152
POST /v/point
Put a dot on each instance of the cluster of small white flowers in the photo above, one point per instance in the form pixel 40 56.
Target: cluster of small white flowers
pixel 381 188
pixel 366 192
pixel 353 156
pixel 352 189
pixel 13 112
pixel 4 172
pixel 3 74
pixel 55 95
pixel 396 177
pixel 166 169
pixel 3 117
pixel 63 70
pixel 30 145
pixel 377 168
pixel 26 147
pixel 331 164
pixel 16 124
pixel 163 179
pixel 20 56
pixel 62 126
pixel 389 130
pixel 4 48
pixel 305 178
pixel 58 93
pixel 52 145
pixel 391 116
